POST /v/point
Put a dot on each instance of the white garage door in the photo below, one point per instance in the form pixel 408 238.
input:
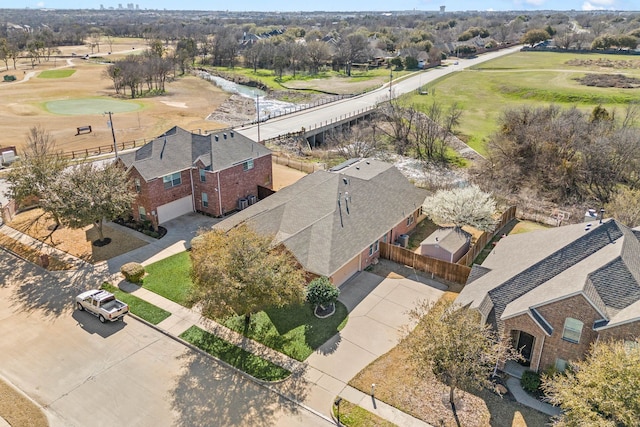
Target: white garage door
pixel 351 268
pixel 174 209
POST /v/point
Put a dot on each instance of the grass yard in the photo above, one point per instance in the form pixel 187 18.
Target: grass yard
pixel 292 330
pixel 76 242
pixel 141 308
pixel 31 254
pixel 524 78
pixel 354 416
pixel 18 410
pixel 235 356
pixel 170 278
pixel 56 74
pixel 398 385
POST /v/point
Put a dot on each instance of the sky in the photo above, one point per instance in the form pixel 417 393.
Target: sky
pixel 332 5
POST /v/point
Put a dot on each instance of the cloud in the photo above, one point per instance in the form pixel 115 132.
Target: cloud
pixel 535 2
pixel 40 4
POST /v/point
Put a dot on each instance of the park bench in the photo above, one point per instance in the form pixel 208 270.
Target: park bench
pixel 83 129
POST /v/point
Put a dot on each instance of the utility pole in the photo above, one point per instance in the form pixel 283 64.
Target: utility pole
pixel 390 81
pixel 113 133
pixel 258 115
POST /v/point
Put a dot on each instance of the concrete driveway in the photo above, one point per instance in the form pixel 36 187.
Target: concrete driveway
pixel 378 311
pixel 87 373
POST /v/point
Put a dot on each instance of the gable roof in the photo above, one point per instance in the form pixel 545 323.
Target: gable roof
pixel 178 149
pixel 328 217
pixel 451 239
pixel 526 271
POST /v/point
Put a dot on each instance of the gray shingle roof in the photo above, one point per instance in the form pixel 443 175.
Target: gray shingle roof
pixel 450 239
pixel 327 218
pixel 602 263
pixel 178 149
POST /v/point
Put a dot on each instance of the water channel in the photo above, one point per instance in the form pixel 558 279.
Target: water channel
pixel 268 107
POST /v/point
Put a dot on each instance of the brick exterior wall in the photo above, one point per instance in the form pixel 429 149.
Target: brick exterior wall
pixel 626 332
pixel 235 183
pixel 554 346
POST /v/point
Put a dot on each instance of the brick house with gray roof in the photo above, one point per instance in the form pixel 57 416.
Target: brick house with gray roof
pixel 333 221
pixel 180 172
pixel 555 292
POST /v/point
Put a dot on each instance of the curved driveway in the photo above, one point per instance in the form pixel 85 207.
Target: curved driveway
pixel 318 116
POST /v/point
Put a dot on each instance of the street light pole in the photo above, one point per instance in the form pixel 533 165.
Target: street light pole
pixel 113 134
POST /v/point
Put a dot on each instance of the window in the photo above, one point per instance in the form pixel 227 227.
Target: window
pixel 203 177
pixel 572 330
pixel 172 180
pixel 373 248
pixel 137 182
pixel 248 165
pixel 205 200
pixel 142 212
pixel 561 364
pixel 410 220
pixel 384 239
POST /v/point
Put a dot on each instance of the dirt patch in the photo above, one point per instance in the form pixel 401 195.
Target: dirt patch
pixel 23 103
pixel 604 63
pixel 18 410
pixel 609 80
pixel 75 242
pixel 284 176
pixel 235 111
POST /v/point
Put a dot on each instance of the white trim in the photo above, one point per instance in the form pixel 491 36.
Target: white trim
pixel 219 193
pixel 542 304
pixel 609 325
pixel 540 353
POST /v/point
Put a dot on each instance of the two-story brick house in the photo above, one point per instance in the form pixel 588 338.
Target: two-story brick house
pixel 555 292
pixel 181 172
pixel 333 221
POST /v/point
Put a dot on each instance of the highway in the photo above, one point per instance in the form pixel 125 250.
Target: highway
pixel 316 117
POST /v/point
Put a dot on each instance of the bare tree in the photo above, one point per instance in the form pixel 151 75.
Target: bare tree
pixel 356 142
pixel 431 130
pixel 400 120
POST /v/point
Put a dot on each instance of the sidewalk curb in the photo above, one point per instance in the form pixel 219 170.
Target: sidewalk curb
pixel 256 381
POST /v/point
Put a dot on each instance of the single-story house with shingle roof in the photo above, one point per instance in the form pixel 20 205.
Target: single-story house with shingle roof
pixel 180 172
pixel 446 244
pixel 333 221
pixel 555 292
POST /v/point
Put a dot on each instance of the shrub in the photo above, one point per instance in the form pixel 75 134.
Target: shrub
pixel 133 272
pixel 530 381
pixel 321 292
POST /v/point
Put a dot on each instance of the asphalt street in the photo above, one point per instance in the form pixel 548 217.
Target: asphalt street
pixel 84 373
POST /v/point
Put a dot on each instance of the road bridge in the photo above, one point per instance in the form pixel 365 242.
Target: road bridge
pixel 313 123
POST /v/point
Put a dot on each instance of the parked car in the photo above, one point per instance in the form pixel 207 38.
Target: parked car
pixel 102 304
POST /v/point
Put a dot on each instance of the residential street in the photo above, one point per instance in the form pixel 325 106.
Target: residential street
pixel 86 373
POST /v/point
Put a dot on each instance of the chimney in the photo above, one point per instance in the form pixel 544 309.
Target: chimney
pixel 601 215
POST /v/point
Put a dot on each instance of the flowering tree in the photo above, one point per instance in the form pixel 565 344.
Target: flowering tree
pixel 462 206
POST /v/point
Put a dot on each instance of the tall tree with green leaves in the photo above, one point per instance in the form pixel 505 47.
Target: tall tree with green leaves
pixel 241 272
pixel 451 343
pixel 88 194
pixel 602 390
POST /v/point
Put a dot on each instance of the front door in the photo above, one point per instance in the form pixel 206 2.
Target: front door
pixel 525 345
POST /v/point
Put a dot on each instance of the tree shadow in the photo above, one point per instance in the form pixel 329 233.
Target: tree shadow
pixel 209 393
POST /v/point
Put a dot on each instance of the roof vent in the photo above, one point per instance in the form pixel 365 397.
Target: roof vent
pixel 231 133
pixel 216 137
pixel 587 227
pixel 224 135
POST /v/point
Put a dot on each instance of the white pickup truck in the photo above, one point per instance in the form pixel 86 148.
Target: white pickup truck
pixel 102 304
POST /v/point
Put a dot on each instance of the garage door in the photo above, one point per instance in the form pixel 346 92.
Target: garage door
pixel 174 209
pixel 342 275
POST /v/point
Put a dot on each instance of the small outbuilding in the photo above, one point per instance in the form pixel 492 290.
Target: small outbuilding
pixel 446 244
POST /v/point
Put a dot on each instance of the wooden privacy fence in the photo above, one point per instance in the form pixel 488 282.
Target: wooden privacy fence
pixel 486 237
pixel 445 270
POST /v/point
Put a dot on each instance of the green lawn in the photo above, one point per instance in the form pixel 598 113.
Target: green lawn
pixel 141 308
pixel 354 416
pixel 56 74
pixel 523 78
pixel 170 278
pixel 292 330
pixel 235 356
